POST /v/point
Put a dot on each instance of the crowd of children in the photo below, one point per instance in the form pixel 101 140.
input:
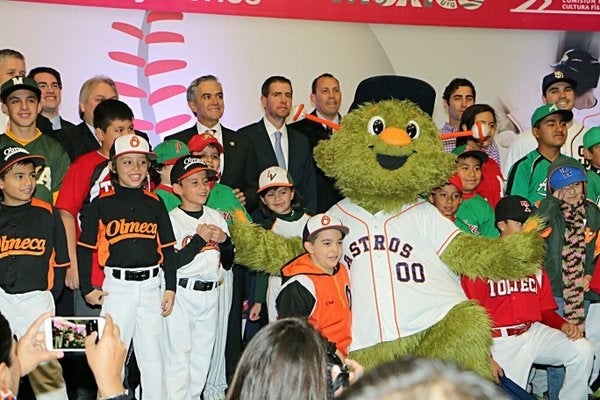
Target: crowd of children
pixel 136 226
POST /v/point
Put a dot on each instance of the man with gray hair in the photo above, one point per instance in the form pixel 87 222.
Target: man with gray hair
pixel 239 170
pixel 238 163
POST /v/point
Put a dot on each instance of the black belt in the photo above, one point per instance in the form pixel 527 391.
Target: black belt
pixel 135 275
pixel 199 285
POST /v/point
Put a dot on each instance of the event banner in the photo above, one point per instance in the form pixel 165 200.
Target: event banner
pixel 568 15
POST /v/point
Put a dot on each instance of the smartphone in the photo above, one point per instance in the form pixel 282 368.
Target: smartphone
pixel 69 333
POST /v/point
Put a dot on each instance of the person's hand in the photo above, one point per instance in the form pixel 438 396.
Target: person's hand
pixel 204 231
pixel 572 331
pixel 240 196
pixel 587 280
pixel 96 297
pixel 560 193
pixel 31 347
pixel 356 370
pixel 72 278
pixel 106 359
pixel 497 371
pixel 254 313
pixel 217 234
pixel 167 303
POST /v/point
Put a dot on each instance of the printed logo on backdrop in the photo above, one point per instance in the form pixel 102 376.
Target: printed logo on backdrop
pixel 591 7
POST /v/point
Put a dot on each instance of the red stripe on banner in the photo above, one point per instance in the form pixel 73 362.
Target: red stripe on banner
pixel 128 29
pixel 162 66
pixel 165 93
pixel 164 16
pixel 164 37
pixel 142 125
pixel 171 123
pixel 125 89
pixel 127 58
pixel 575 15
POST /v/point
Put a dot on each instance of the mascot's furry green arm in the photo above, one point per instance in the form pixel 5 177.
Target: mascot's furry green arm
pixel 385 158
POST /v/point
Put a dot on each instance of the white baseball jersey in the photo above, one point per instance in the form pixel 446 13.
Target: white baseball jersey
pixel 206 266
pixel 399 284
pixel 285 229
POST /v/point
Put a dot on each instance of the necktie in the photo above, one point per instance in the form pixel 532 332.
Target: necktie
pixel 279 150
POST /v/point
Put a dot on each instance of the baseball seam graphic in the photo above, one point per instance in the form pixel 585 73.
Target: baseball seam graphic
pixel 146 68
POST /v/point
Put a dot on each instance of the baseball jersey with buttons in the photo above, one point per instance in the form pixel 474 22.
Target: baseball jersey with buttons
pixel 32 244
pixel 512 302
pixel 527 177
pixel 129 227
pixel 392 257
pixel 206 266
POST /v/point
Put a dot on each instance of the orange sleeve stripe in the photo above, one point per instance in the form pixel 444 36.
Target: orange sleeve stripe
pixel 42 204
pixel 87 245
pixel 162 246
pixel 62 265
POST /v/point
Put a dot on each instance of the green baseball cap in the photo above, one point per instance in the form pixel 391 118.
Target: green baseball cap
pixel 591 137
pixel 168 152
pixel 16 83
pixel 549 109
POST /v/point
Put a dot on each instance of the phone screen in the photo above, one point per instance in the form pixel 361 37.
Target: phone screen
pixel 70 333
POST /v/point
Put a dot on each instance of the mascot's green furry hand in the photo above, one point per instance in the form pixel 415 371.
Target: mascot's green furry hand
pixel 263 250
pixel 509 257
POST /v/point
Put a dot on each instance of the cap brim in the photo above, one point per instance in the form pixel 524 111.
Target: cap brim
pixel 342 228
pixel 211 173
pixel 271 185
pixel 35 159
pixel 7 92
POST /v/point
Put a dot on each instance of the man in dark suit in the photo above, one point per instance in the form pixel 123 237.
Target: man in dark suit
pixel 272 136
pixel 50 83
pixel 81 139
pixel 327 98
pixel 238 161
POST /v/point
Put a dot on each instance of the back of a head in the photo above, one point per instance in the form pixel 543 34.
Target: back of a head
pixel 110 110
pixel 285 360
pixel 423 379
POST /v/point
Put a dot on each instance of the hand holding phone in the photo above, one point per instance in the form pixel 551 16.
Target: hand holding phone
pixel 69 333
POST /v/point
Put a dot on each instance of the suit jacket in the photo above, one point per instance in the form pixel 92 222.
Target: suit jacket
pixel 327 194
pixel 64 124
pixel 300 162
pixel 78 140
pixel 240 170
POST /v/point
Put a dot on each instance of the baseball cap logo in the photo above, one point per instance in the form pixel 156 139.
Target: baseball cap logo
pixel 325 220
pixel 17 80
pixel 191 161
pixel 271 175
pixel 553 107
pixel 565 172
pixel 526 206
pixel 134 141
pixel 178 147
pixel 10 151
pixel 559 75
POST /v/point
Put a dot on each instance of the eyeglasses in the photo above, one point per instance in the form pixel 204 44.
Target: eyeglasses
pixel 44 86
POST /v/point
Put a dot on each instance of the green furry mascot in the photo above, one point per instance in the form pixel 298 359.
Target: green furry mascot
pixel 404 257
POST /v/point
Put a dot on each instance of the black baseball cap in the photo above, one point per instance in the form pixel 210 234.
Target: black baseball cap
pixel 557 76
pixel 188 165
pixel 467 151
pixel 19 82
pixel 14 154
pixel 582 66
pixel 516 208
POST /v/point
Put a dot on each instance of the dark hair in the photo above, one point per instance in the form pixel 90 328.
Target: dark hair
pixel 266 86
pixel 420 378
pixel 465 156
pixel 48 70
pixel 313 87
pixel 297 202
pixel 454 85
pixel 468 119
pixel 4 53
pixel 287 359
pixel 6 341
pixel 110 110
